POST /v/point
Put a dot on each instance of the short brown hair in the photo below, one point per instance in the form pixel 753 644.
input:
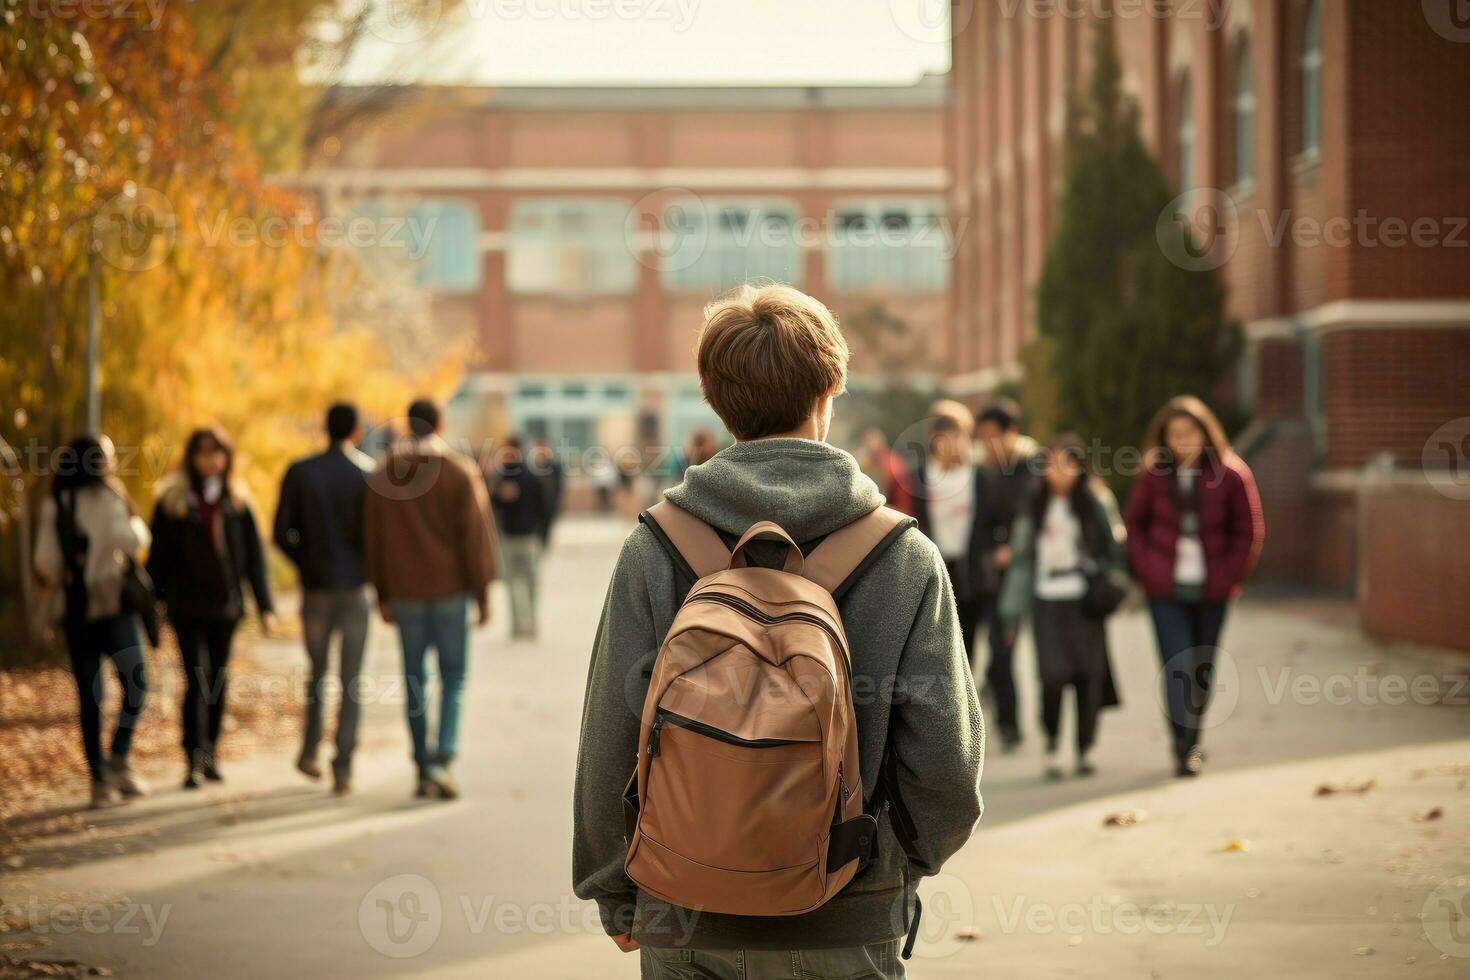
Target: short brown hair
pixel 767 355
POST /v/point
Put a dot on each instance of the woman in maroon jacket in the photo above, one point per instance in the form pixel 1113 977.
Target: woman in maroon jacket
pixel 1194 533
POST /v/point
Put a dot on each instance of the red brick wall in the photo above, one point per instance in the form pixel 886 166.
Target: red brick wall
pixel 1410 148
pixel 1388 390
pixel 1414 576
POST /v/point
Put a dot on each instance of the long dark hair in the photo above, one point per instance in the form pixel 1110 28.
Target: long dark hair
pixel 197 439
pixel 1080 499
pixel 1156 450
pixel 77 465
pixel 82 463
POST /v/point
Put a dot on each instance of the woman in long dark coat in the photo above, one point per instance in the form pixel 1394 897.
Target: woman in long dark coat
pixel 206 550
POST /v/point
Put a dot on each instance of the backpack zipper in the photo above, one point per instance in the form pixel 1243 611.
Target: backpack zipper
pixel 662 716
pixel 758 614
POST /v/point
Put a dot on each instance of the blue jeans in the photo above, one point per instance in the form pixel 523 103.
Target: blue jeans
pixel 1188 633
pixel 444 625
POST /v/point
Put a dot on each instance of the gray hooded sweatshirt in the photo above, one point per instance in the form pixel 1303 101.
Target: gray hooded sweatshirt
pixel 911 686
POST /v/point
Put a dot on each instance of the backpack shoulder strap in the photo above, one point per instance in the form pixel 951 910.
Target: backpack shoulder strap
pixel 845 553
pixel 694 540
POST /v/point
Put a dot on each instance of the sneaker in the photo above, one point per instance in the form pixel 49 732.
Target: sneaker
pixel 1191 764
pixel 123 779
pixel 191 777
pixel 341 782
pixel 105 795
pixel 1085 768
pixel 1052 769
pixel 439 775
pixel 307 766
pixel 208 769
pixel 426 790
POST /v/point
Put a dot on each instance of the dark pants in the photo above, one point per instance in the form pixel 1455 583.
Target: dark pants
pixel 1071 651
pixel 204 645
pixel 1000 679
pixel 115 637
pixel 1188 633
pixel 326 613
pixel 879 962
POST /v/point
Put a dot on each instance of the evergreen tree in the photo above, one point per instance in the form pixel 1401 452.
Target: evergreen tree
pixel 1125 326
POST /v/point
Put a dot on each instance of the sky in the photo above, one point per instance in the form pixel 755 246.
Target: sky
pixel 638 42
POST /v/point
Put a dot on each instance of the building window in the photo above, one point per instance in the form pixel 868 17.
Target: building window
pixel 1311 67
pixel 447 232
pixel 567 411
pixel 721 244
pixel 887 243
pixel 568 246
pixel 1243 108
pixel 1184 132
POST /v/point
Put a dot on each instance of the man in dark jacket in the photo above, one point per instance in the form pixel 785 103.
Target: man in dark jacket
pixel 548 470
pixel 518 496
pixel 1010 464
pixel 772 361
pixel 319 527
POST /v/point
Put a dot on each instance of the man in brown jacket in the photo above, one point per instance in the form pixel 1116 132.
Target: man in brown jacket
pixel 429 547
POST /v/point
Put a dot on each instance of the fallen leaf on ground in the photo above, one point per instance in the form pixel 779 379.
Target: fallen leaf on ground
pixel 1434 814
pixel 1234 846
pixel 968 934
pixel 1330 789
pixel 1125 818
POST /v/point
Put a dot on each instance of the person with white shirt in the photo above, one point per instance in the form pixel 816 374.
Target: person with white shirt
pixel 947 500
pixel 1068 568
pixel 87 540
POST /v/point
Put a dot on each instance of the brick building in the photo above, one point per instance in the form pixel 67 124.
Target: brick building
pixel 577 232
pixel 1343 124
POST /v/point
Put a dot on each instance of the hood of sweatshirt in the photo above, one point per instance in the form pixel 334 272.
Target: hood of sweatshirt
pixel 810 488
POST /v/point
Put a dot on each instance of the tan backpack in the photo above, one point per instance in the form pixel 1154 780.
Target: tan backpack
pixel 747 798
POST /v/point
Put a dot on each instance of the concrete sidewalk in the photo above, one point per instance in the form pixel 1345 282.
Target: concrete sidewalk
pixel 1244 870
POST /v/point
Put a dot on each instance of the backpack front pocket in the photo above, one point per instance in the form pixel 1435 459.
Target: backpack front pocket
pixel 733 803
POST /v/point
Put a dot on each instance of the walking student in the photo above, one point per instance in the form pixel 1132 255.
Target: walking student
pixel 318 526
pixel 771 362
pixel 946 505
pixel 206 551
pixel 429 550
pixel 1009 465
pixel 522 518
pixel 549 472
pixel 1195 530
pixel 87 545
pixel 1068 573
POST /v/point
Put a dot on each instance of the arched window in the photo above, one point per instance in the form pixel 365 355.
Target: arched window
pixel 1184 131
pixel 1311 68
pixel 1243 108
